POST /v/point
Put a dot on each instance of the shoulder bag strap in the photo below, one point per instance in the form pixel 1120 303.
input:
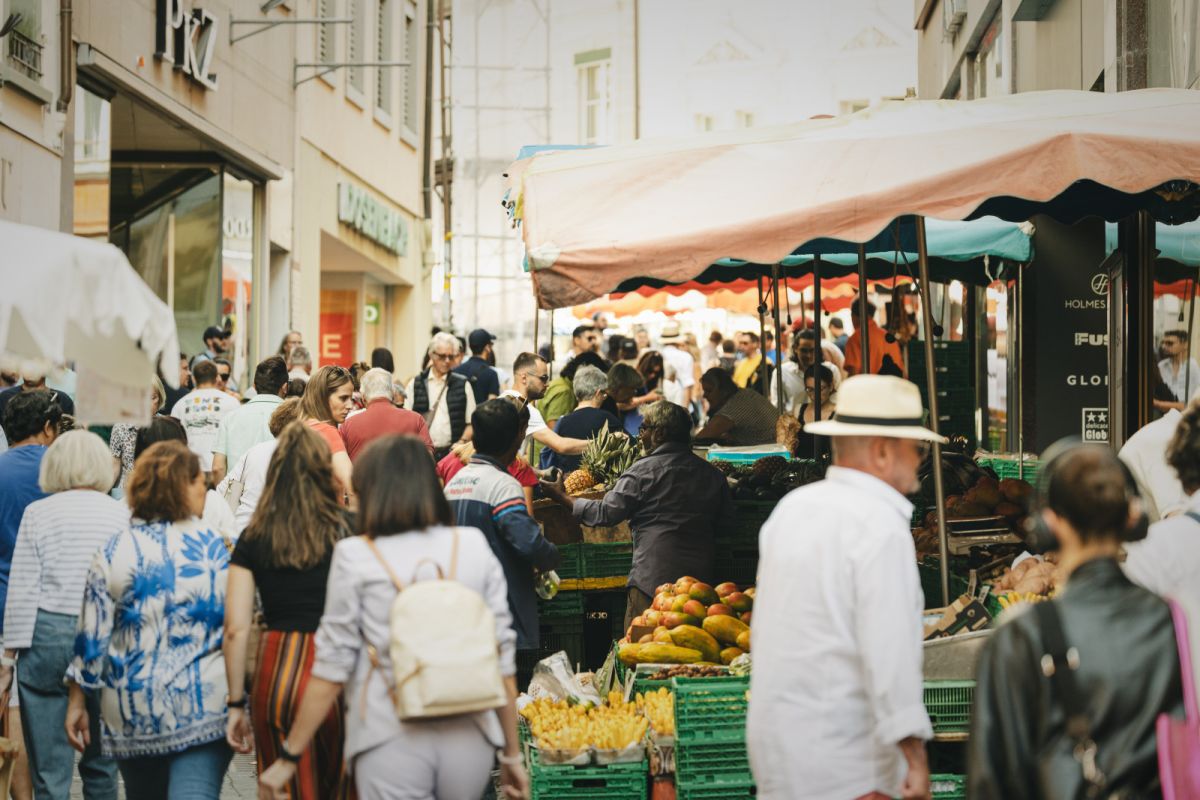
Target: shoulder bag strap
pixel 431 414
pixel 1183 643
pixel 453 555
pixel 1059 664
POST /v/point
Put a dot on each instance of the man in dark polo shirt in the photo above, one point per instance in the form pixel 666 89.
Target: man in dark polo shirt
pixel 478 368
pixel 674 502
pixel 381 417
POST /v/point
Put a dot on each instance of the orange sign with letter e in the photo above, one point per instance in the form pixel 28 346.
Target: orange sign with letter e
pixel 339 325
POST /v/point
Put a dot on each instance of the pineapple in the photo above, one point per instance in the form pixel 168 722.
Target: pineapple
pixel 606 456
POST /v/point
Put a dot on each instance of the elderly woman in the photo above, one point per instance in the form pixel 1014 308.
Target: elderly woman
pixel 59 535
pixel 149 637
pixel 123 439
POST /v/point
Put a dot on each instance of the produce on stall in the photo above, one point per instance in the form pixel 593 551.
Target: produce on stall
pixel 606 456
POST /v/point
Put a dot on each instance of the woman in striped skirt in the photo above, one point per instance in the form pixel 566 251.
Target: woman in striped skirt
pixel 285 554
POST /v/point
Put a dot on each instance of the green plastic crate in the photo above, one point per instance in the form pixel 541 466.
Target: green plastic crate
pixel 1008 467
pixel 931 584
pixel 722 792
pixel 611 782
pixel 563 604
pixel 749 518
pixel 948 787
pixel 949 705
pixel 570 568
pixel 710 709
pixel 708 765
pixel 607 560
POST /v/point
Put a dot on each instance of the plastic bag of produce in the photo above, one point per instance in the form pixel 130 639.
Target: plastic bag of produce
pixel 571 758
pixel 553 676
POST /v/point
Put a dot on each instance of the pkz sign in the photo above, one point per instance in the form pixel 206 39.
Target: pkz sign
pixel 187 40
pixel 372 219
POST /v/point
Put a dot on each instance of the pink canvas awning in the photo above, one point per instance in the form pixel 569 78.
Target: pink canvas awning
pixel 669 209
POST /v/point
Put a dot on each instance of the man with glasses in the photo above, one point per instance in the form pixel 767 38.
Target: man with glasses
pixel 225 380
pixel 531 376
pixel 216 345
pixel 838 586
pixel 1179 371
pixel 444 398
pixel 201 412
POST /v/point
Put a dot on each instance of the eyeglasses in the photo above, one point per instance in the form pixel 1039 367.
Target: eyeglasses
pixel 223 376
pixel 542 378
pixel 442 356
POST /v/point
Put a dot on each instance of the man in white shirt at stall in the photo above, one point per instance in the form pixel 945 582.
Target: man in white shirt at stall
pixel 836 695
pixel 1179 370
pixel 672 341
pixel 531 376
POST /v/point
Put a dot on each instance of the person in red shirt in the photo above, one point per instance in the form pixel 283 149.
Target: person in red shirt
pixel 381 417
pixel 460 455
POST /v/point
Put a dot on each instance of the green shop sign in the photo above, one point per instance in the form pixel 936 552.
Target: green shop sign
pixel 372 219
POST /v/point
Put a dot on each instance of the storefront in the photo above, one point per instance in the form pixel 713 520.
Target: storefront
pixel 176 138
pixel 374 291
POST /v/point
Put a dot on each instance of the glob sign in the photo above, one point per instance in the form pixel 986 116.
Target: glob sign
pixel 187 39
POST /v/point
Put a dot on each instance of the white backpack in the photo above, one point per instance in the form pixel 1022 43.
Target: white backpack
pixel 440 669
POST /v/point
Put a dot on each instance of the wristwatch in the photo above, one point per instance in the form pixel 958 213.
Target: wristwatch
pixel 5 661
pixel 286 754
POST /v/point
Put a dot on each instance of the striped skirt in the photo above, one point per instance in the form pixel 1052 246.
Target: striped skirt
pixel 284 665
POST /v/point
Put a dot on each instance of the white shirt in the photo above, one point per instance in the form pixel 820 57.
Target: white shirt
pixel 439 429
pixel 58 536
pixel 837 680
pixel 794 395
pixel 218 515
pixel 710 356
pixel 1184 381
pixel 1145 453
pixel 252 470
pixel 684 364
pixel 201 412
pixel 537 422
pixel 1167 561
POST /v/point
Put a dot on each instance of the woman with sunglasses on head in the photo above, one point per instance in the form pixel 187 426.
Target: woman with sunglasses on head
pixel 285 554
pixel 328 398
pixel 808 445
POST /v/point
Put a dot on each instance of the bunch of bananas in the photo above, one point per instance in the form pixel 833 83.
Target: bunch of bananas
pixel 1010 599
pixel 659 707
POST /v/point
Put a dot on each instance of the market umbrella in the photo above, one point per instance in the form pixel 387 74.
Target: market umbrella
pixel 66 299
pixel 592 219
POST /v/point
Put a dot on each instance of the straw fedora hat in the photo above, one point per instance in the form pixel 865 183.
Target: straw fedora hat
pixel 671 334
pixel 877 405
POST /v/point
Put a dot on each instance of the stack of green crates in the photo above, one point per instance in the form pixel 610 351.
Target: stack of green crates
pixel 736 548
pixel 710 738
pixel 605 565
pixel 948 787
pixel 609 782
pixel 955 391
pixel 948 704
pixel 560 627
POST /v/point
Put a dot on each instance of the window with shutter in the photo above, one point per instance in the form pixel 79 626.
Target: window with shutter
pixel 325 41
pixel 383 52
pixel 354 44
pixel 408 90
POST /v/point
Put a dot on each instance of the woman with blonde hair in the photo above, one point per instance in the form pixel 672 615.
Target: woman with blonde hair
pixel 328 398
pixel 285 554
pixel 59 535
pixel 149 637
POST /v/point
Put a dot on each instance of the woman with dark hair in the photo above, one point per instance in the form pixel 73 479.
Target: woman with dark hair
pixel 1068 693
pixel 652 368
pixel 382 357
pixel 328 398
pixel 284 554
pixel 149 637
pixel 217 513
pixel 805 441
pixel 406 529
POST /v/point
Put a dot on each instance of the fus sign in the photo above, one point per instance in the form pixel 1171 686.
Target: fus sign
pixel 187 39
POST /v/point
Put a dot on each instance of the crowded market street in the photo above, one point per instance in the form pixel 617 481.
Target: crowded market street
pixel 651 400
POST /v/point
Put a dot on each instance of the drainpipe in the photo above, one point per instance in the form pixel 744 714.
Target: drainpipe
pixel 427 136
pixel 66 57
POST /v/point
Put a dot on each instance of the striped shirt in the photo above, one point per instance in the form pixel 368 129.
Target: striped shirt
pixel 56 542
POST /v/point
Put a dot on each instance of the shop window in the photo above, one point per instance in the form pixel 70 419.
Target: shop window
pixel 237 270
pixel 411 51
pixel 93 147
pixel 355 36
pixel 1173 36
pixel 384 25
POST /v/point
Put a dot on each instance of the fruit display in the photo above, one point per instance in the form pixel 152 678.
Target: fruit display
pixel 659 708
pixel 558 725
pixel 606 456
pixel 770 478
pixel 1031 576
pixel 692 623
pixel 687 671
pixel 1010 599
pixel 986 497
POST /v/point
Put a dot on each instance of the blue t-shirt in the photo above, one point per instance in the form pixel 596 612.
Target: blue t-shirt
pixel 18 488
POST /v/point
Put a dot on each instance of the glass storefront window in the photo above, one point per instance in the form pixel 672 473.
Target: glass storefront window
pixel 93 149
pixel 237 270
pixel 1173 34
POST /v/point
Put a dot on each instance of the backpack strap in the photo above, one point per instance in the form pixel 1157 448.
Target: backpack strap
pixel 453 555
pixel 386 568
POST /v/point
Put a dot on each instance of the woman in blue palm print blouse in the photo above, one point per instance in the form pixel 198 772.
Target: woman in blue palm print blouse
pixel 149 637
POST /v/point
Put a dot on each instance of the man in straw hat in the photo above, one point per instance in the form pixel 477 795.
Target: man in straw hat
pixel 836 707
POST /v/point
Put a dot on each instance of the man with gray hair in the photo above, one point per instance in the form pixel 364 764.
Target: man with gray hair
pixel 674 500
pixel 299 363
pixel 381 417
pixel 587 419
pixel 442 397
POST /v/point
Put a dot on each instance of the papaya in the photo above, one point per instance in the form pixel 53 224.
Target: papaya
pixel 743 641
pixel 745 617
pixel 669 588
pixel 726 588
pixel 703 593
pixel 673 620
pixel 749 593
pixel 719 608
pixel 724 629
pixel 627 653
pixel 653 617
pixel 663 636
pixel 678 602
pixel 646 638
pixel 729 654
pixel 684 584
pixel 695 608
pixel 697 639
pixel 655 653
pixel 739 601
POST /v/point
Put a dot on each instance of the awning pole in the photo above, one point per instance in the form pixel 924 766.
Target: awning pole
pixel 1187 375
pixel 778 341
pixel 537 315
pixel 553 355
pixel 820 354
pixel 762 342
pixel 939 491
pixel 862 323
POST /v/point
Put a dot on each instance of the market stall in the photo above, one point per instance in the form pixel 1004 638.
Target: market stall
pixel 667 216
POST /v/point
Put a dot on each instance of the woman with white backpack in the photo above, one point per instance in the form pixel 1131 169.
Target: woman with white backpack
pixel 417 633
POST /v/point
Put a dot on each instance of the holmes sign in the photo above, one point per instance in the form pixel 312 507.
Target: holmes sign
pixel 187 40
pixel 372 219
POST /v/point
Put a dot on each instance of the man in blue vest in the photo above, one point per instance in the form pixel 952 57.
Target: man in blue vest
pixel 441 396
